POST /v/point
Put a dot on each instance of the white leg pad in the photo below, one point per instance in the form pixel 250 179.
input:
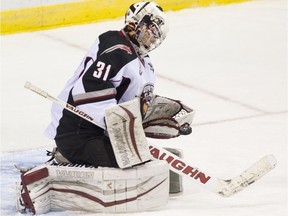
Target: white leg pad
pixel 78 188
pixel 176 181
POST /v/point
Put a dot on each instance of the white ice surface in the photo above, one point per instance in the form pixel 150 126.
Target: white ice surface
pixel 229 63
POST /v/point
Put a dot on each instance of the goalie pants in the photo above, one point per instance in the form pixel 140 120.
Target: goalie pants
pixel 87 150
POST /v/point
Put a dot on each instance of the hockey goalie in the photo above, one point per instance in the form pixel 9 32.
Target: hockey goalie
pixel 139 183
pixel 107 166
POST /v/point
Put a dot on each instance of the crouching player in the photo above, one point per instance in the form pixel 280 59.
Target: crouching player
pixel 110 170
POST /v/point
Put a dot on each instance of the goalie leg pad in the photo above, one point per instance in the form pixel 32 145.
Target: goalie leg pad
pixel 79 188
pixel 176 181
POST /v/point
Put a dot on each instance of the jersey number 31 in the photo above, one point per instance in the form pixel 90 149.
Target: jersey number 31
pixel 102 71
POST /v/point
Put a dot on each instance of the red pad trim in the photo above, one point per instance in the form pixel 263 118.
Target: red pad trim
pixel 32 177
pixel 101 202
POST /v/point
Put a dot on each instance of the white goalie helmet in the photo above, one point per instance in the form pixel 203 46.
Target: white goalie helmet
pixel 149 25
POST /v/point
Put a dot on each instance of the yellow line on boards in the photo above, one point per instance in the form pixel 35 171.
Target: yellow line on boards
pixel 83 11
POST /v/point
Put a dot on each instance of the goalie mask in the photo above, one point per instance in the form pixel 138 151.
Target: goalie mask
pixel 146 26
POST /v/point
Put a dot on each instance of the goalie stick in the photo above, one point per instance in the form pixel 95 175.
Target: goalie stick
pixel 224 188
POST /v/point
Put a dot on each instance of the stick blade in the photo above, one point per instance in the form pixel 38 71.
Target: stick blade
pixel 227 188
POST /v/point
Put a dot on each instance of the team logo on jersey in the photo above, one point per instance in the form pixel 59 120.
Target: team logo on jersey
pixel 147 93
pixel 118 46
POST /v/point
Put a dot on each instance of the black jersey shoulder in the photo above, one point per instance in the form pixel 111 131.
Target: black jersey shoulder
pixel 114 52
pixel 114 44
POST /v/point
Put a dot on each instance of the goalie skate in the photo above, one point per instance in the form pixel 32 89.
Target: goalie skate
pixel 20 206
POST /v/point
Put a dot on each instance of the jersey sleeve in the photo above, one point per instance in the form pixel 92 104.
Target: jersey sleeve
pixel 93 93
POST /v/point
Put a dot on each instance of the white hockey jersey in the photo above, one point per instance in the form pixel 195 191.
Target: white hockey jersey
pixel 110 73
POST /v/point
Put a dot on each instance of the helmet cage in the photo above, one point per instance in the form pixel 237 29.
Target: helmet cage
pixel 150 25
pixel 148 33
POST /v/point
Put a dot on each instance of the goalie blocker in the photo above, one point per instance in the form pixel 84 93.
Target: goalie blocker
pixel 163 118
